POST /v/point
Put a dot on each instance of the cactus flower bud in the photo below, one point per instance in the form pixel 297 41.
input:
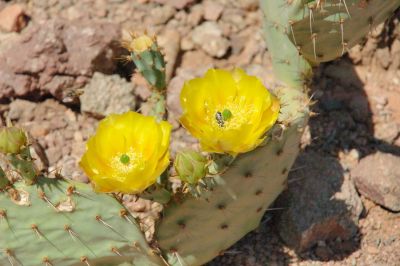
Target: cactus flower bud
pixel 149 61
pixel 12 140
pixel 141 44
pixel 191 166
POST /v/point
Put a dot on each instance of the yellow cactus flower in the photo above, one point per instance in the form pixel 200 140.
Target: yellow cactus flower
pixel 228 111
pixel 127 154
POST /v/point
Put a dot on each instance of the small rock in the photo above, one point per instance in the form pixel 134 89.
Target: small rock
pixel 107 94
pixel 247 4
pixel 187 44
pixel 173 100
pixel 377 178
pixel 209 37
pixel 196 59
pixel 349 159
pixel 195 15
pixel 139 205
pixel 395 54
pixel 384 57
pixel 21 110
pixel 178 4
pixel 160 15
pixel 387 131
pixel 141 86
pixel 234 20
pixel 170 42
pixel 322 204
pixel 212 10
pixel 13 18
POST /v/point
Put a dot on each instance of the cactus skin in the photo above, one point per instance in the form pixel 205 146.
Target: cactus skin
pixel 151 65
pixel 335 27
pixel 196 230
pixel 4 182
pixel 24 165
pixel 293 28
pixel 22 244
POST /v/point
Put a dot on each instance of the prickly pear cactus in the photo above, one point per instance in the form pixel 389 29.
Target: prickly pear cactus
pixel 55 222
pixel 299 34
pixel 47 221
pixel 194 231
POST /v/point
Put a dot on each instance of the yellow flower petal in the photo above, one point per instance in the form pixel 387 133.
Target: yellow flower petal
pixel 127 154
pixel 228 111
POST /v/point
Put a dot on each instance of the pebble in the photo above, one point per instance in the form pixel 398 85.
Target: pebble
pixel 13 18
pixel 208 36
pixel 322 204
pixel 377 178
pixel 212 10
pixel 107 94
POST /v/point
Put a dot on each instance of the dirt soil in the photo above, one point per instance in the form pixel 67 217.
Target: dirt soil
pixel 357 99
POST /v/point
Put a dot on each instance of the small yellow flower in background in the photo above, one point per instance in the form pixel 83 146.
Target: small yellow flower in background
pixel 127 154
pixel 228 111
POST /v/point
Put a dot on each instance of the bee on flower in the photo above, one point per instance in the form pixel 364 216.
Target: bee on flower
pixel 127 154
pixel 228 111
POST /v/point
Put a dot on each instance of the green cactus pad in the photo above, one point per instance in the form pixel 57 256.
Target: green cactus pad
pixel 198 229
pixel 54 223
pixel 301 33
pixel 327 32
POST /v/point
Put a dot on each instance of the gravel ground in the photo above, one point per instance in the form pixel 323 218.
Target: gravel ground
pixel 357 103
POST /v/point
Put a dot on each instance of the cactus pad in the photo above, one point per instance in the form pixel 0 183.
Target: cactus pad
pixel 55 222
pixel 198 229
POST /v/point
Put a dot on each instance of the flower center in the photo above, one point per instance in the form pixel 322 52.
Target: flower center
pixel 128 161
pixel 231 115
pixel 124 159
pixel 223 116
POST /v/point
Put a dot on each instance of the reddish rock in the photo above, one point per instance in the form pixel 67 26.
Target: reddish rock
pixel 56 55
pixel 377 177
pixel 13 18
pixel 320 203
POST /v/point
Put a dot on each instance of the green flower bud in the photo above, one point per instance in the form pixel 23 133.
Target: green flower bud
pixel 191 166
pixel 12 140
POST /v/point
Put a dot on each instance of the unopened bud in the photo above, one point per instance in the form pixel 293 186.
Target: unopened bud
pixel 191 166
pixel 12 140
